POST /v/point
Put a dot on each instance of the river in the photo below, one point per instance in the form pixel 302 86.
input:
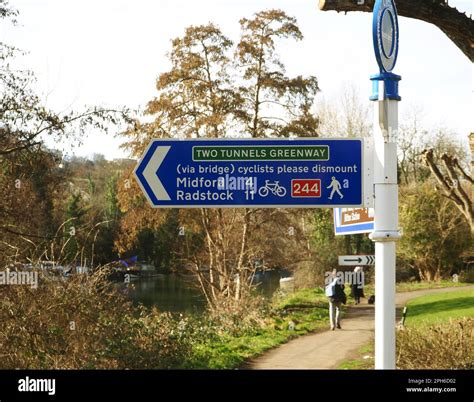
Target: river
pixel 177 294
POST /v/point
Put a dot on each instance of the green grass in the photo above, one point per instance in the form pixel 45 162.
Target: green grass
pixel 303 297
pixel 412 286
pixel 364 360
pixel 306 308
pixel 439 307
pixel 369 289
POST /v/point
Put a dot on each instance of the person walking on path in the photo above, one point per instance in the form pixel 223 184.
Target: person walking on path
pixel 357 285
pixel 337 297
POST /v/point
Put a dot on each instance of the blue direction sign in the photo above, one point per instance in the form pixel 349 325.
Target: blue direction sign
pixel 252 173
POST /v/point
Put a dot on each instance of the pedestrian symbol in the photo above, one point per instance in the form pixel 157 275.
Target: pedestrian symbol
pixel 336 187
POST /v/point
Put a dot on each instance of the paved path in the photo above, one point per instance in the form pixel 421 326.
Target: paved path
pixel 328 349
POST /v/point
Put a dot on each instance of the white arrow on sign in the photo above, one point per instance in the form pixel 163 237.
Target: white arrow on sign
pixel 151 176
pixel 357 260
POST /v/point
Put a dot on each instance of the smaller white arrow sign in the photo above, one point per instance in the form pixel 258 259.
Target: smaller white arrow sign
pixel 151 176
pixel 357 260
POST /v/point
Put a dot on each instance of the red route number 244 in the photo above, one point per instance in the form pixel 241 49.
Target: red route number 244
pixel 310 188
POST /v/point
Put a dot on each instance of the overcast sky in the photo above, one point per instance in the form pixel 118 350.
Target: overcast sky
pixel 109 52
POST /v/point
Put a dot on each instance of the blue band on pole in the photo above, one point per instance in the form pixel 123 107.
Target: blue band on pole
pixel 386 82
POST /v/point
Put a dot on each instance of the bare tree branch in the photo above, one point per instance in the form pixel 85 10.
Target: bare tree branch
pixel 456 25
pixel 451 186
pixel 463 172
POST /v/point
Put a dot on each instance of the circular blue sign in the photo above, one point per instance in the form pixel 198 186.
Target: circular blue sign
pixel 385 34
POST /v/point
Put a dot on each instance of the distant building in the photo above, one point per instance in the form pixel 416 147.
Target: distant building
pixel 125 161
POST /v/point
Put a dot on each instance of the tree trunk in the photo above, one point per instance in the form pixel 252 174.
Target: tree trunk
pixel 358 239
pixel 421 274
pixel 348 244
pixel 437 276
pixel 243 250
pixel 456 25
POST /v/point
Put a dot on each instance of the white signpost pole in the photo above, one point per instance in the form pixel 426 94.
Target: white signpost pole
pixel 385 230
pixel 385 97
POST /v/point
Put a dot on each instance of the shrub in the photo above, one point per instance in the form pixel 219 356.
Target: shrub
pixel 467 275
pixel 85 322
pixel 237 317
pixel 443 346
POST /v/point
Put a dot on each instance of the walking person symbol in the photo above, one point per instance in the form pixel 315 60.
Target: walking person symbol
pixel 336 187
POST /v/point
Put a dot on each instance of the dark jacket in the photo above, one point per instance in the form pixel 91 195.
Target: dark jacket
pixel 340 295
pixel 356 291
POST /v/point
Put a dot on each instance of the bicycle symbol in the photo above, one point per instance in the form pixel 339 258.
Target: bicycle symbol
pixel 273 188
